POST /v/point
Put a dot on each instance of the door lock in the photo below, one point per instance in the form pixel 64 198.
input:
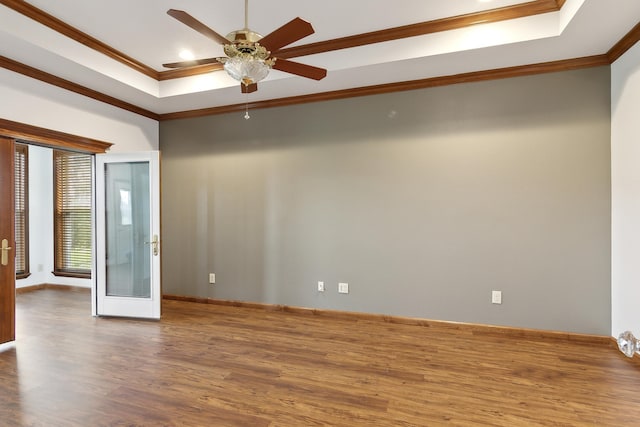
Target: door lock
pixel 154 244
pixel 4 249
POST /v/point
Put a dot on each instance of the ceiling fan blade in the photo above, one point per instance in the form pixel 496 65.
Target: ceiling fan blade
pixel 299 69
pixel 248 89
pixel 191 63
pixel 290 32
pixel 192 22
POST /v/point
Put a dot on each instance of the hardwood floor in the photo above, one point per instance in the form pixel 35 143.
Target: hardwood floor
pixel 207 365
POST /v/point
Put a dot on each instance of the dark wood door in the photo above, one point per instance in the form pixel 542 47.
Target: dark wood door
pixel 7 242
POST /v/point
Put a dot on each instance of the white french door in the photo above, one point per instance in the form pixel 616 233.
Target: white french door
pixel 127 235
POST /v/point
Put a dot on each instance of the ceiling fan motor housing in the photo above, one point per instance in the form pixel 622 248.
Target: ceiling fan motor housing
pixel 245 43
pixel 244 35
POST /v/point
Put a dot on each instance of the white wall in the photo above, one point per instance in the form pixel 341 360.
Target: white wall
pixel 30 101
pixel 625 182
pixel 40 218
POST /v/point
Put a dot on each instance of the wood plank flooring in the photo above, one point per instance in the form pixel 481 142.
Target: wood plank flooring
pixel 207 365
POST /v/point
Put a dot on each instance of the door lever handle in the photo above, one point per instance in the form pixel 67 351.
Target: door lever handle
pixel 4 249
pixel 154 244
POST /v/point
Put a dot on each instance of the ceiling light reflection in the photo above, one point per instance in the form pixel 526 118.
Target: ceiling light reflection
pixel 187 55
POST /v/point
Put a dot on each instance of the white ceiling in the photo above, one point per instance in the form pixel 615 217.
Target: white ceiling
pixel 142 30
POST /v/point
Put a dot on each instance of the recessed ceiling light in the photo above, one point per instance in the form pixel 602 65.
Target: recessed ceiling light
pixel 186 54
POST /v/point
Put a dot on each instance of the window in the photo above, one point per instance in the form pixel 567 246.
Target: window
pixel 22 210
pixel 72 214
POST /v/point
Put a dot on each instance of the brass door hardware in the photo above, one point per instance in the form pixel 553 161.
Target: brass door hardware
pixel 4 249
pixel 154 244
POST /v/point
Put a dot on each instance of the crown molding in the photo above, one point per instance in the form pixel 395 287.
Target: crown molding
pixel 51 138
pixel 534 7
pixel 67 30
pixel 34 73
pixel 500 73
pixel 626 43
pixel 520 10
pixel 516 11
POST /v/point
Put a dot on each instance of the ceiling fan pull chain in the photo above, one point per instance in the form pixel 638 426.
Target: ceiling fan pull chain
pixel 246 111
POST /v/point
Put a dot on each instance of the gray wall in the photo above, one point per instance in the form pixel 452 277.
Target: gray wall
pixel 422 201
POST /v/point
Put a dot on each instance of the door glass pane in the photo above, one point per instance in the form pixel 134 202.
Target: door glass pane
pixel 128 250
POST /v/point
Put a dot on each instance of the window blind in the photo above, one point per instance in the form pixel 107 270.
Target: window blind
pixel 21 179
pixel 72 213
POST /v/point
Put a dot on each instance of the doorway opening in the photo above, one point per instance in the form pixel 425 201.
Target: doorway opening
pixel 53 218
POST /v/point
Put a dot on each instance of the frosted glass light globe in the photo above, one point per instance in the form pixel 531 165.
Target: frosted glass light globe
pixel 628 344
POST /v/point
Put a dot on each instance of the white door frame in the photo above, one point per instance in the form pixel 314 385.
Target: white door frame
pixel 102 304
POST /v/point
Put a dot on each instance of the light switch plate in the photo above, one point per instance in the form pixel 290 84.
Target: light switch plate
pixel 496 297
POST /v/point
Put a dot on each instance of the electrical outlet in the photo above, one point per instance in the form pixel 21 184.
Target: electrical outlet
pixel 212 278
pixel 343 288
pixel 496 297
pixel 320 286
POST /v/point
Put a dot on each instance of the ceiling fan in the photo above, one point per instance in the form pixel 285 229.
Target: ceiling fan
pixel 250 56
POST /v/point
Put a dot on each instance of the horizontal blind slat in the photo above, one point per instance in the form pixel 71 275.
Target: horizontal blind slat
pixel 73 192
pixel 21 219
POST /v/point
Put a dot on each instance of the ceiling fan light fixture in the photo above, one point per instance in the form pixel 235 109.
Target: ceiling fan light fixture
pixel 248 63
pixel 249 57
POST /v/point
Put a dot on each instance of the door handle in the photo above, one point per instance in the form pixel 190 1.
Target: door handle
pixel 4 249
pixel 154 244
